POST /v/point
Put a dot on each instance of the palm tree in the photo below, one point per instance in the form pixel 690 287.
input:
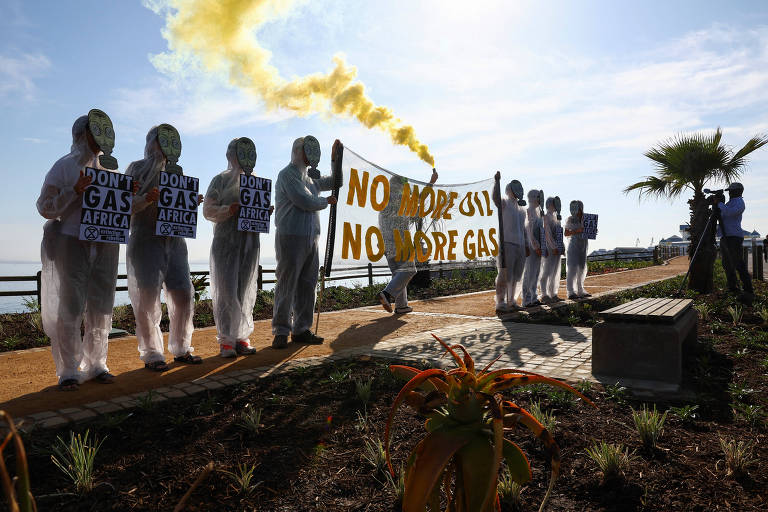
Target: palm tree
pixel 687 163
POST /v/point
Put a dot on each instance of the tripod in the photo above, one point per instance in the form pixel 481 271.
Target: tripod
pixel 714 215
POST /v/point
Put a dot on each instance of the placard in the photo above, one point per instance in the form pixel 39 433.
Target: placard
pixel 543 241
pixel 255 199
pixel 106 213
pixel 177 205
pixel 559 240
pixel 590 226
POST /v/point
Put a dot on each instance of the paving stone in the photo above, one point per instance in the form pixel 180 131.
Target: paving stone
pixel 82 415
pixel 107 408
pixel 53 422
pixel 123 400
pixel 96 405
pixel 230 382
pixel 175 393
pixel 212 385
pixel 42 415
pixel 192 389
pixel 69 410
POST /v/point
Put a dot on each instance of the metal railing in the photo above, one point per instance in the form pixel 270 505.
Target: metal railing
pixel 369 271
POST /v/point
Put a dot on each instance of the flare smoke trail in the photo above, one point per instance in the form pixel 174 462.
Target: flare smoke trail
pixel 222 34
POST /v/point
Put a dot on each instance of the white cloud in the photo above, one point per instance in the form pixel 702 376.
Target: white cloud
pixel 18 74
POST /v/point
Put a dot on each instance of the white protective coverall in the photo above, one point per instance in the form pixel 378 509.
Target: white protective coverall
pixel 234 257
pixel 389 221
pixel 576 257
pixel 550 265
pixel 78 277
pixel 509 279
pixel 155 263
pixel 533 227
pixel 297 230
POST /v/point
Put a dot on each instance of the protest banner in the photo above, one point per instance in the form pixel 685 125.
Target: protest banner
pixel 106 213
pixel 590 226
pixel 255 199
pixel 177 205
pixel 384 217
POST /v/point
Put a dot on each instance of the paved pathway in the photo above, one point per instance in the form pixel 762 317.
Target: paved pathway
pixel 557 351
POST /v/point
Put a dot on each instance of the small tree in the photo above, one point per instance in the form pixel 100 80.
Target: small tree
pixel 687 163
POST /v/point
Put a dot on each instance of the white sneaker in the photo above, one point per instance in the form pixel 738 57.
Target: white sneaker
pixel 227 351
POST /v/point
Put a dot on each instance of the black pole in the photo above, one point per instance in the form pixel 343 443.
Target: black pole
pixel 503 263
pixel 336 171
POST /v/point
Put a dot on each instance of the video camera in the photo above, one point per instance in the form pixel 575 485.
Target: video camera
pixel 716 196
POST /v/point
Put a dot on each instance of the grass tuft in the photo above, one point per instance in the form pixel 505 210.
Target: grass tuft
pixel 612 459
pixel 649 425
pixel 76 459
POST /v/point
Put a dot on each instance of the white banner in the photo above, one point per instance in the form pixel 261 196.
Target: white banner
pixel 255 199
pixel 177 205
pixel 106 213
pixel 381 213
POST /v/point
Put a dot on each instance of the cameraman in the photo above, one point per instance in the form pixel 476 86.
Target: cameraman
pixel 732 241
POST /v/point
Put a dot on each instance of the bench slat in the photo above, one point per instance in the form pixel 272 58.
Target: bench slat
pixel 648 310
pixel 678 310
pixel 622 307
pixel 625 308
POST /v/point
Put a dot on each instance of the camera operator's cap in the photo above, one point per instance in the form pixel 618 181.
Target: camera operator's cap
pixel 736 187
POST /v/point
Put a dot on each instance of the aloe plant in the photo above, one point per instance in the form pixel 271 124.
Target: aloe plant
pixel 17 489
pixel 467 418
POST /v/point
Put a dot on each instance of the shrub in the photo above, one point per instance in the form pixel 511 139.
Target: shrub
pixel 547 419
pixel 363 390
pixel 736 311
pixel 242 478
pixel 649 425
pixel 76 459
pixel 738 457
pixel 704 310
pixel 509 490
pixel 612 459
pixel 374 454
pixel 464 445
pixel 685 413
pixel 250 419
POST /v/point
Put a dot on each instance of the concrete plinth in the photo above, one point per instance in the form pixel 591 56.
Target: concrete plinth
pixel 645 351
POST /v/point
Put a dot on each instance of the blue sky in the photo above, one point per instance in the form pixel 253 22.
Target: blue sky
pixel 564 96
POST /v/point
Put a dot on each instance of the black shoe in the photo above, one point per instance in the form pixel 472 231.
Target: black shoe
pixel 307 337
pixel 386 300
pixel 280 341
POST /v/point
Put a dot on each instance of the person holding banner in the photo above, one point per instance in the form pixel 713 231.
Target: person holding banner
pixel 550 266
pixel 297 230
pixel 576 258
pixel 533 227
pixel 234 253
pixel 159 262
pixel 396 290
pixel 510 275
pixel 78 276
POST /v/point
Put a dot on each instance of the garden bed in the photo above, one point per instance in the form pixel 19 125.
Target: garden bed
pixel 309 451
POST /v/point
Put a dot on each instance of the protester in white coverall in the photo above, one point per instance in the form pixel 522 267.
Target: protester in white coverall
pixel 234 260
pixel 156 263
pixel 78 277
pixel 550 265
pixel 297 230
pixel 576 257
pixel 533 227
pixel 396 290
pixel 509 278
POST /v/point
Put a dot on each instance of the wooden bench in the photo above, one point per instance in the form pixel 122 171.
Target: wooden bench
pixel 644 339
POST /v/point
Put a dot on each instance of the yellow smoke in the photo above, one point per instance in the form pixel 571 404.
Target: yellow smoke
pixel 222 34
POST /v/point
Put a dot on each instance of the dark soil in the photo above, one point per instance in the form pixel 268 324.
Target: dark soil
pixel 309 451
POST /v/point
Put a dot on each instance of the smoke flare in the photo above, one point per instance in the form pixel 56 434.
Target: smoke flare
pixel 222 34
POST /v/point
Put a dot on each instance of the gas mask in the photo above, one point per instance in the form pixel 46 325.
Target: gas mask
pixel 312 152
pixel 517 189
pixel 558 207
pixel 576 207
pixel 170 144
pixel 100 126
pixel 246 154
